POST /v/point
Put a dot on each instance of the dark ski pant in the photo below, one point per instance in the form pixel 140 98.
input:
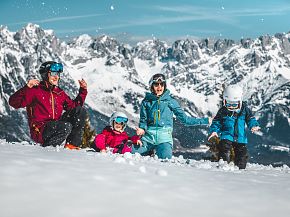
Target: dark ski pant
pixel 240 152
pixel 70 128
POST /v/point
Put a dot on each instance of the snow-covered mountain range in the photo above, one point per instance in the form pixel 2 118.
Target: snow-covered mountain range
pixel 118 74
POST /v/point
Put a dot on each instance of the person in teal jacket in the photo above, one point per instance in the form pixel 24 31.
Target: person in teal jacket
pixel 156 119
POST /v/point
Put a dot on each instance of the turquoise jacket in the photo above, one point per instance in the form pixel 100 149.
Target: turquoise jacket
pixel 156 117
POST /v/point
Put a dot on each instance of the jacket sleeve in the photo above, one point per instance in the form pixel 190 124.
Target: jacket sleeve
pixel 100 140
pixel 216 123
pixel 21 98
pixel 250 119
pixel 185 119
pixel 78 101
pixel 134 138
pixel 143 116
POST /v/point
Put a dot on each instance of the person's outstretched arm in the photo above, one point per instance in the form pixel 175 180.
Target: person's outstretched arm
pixel 251 121
pixel 185 119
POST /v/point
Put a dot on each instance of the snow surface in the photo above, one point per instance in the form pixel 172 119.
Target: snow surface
pixel 36 181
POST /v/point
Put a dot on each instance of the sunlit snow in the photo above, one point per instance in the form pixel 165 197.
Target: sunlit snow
pixel 47 182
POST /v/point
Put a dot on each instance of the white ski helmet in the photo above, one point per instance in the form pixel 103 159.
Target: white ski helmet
pixel 233 97
pixel 119 117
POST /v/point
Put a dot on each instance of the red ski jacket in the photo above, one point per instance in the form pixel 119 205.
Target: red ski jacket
pixel 113 139
pixel 43 104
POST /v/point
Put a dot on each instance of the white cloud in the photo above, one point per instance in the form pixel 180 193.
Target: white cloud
pixel 49 20
pixel 207 12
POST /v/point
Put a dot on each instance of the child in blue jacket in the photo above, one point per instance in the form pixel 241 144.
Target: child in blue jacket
pixel 230 125
pixel 156 119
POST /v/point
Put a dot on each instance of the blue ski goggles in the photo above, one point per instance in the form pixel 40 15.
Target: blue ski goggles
pixel 121 120
pixel 232 104
pixel 55 69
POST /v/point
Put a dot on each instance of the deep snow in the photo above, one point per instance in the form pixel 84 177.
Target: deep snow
pixel 52 182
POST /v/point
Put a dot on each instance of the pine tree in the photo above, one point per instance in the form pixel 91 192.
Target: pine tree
pixel 88 135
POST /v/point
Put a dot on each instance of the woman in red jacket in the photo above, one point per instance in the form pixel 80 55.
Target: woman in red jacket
pixel 114 136
pixel 45 102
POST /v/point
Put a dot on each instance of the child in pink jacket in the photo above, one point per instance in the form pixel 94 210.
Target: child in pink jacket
pixel 114 136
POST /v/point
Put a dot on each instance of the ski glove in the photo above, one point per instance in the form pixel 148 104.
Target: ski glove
pixel 214 134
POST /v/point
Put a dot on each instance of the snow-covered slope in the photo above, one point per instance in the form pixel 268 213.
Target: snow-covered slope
pixel 118 75
pixel 47 182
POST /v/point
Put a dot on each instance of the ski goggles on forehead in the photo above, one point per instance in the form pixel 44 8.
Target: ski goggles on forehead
pixel 56 67
pixel 159 79
pixel 121 120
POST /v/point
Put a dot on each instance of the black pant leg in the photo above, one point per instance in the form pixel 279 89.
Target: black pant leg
pixel 241 155
pixel 56 132
pixel 77 118
pixel 224 150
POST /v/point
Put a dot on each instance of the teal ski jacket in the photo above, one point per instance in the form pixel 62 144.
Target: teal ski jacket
pixel 156 117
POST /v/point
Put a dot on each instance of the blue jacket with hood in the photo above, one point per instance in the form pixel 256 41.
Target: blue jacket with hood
pixel 231 125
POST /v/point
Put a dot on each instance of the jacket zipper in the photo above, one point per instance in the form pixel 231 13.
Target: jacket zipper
pixel 158 119
pixel 31 112
pixel 52 100
pixel 52 104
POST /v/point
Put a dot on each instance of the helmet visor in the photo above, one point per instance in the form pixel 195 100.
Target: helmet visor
pixel 121 120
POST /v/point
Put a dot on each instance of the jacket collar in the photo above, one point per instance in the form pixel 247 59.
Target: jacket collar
pixel 48 87
pixel 152 97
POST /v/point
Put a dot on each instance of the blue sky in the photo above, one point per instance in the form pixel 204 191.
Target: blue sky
pixel 137 20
